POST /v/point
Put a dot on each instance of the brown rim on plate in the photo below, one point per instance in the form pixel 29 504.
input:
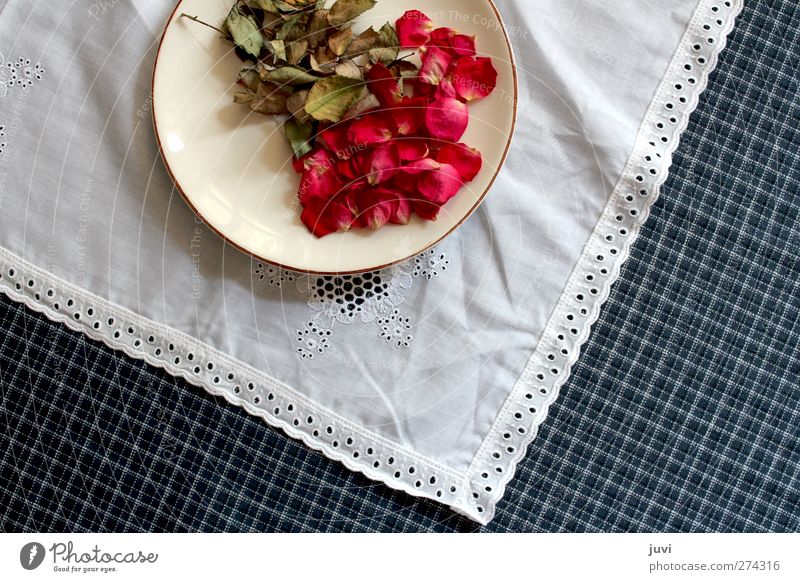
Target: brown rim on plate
pixel 467 215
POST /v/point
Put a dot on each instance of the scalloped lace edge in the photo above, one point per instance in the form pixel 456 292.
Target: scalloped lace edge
pixel 476 492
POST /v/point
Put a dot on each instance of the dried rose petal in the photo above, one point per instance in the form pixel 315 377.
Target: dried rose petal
pixel 319 177
pixel 463 45
pixel 440 185
pixel 474 78
pixel 380 206
pixel 426 210
pixel 466 160
pixel 457 45
pixel 384 85
pixel 419 166
pixel 334 139
pixel 445 90
pixel 447 119
pixel 412 150
pixel 435 63
pixel 409 116
pixel 413 29
pixel 370 129
pixel 323 217
pixel 384 164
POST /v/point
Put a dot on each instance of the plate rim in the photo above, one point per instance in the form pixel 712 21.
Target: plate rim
pixel 273 263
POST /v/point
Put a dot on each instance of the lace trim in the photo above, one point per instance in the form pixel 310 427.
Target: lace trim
pixel 608 248
pixel 475 493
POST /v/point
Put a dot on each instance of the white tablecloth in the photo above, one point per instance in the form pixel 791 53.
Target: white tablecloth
pixel 436 386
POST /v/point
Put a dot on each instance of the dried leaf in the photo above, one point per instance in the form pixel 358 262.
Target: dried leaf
pixel 346 10
pixel 291 76
pixel 296 104
pixel 330 98
pixel 363 43
pixel 348 68
pixel 317 28
pixel 269 100
pixel 339 41
pixel 367 103
pixel 298 135
pixel 278 48
pixel 266 5
pixel 244 97
pixel 296 51
pixel 250 78
pixel 245 32
pixel 388 46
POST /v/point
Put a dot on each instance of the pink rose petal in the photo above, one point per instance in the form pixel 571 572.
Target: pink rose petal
pixel 466 160
pixel 474 78
pixel 435 64
pixel 446 119
pixel 413 29
pixel 440 185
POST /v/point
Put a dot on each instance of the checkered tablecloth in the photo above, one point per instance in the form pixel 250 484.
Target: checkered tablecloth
pixel 682 414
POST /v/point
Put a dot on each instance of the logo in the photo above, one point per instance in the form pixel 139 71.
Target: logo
pixel 31 555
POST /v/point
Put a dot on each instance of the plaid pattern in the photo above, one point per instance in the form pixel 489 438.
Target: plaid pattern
pixel 682 414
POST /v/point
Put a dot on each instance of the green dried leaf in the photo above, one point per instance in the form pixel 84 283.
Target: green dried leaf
pixel 265 5
pixel 245 32
pixel 244 97
pixel 298 135
pixel 346 10
pixel 330 98
pixel 291 76
pixel 278 48
pixel 290 30
pixel 339 41
pixel 388 46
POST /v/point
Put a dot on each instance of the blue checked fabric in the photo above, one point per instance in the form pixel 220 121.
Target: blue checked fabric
pixel 682 414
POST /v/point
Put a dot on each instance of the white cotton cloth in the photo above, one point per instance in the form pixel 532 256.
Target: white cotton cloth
pixel 422 375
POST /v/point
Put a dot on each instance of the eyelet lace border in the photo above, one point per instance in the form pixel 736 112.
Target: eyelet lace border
pixel 475 493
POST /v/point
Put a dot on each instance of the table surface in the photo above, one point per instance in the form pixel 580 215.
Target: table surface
pixel 681 415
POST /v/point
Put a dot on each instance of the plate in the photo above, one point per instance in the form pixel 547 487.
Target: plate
pixel 233 167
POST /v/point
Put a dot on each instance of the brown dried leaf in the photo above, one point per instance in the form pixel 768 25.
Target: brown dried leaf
pixel 363 43
pixel 269 99
pixel 339 41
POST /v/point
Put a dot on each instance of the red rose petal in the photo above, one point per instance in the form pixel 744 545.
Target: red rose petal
pixel 371 129
pixel 412 150
pixel 435 64
pixel 380 206
pixel 445 90
pixel 324 217
pixel 384 85
pixel 384 163
pixel 463 45
pixel 420 166
pixel 447 119
pixel 413 29
pixel 335 140
pixel 319 177
pixel 426 210
pixel 474 78
pixel 409 116
pixel 440 185
pixel 466 160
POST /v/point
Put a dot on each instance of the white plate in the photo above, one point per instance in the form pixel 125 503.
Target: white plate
pixel 234 167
